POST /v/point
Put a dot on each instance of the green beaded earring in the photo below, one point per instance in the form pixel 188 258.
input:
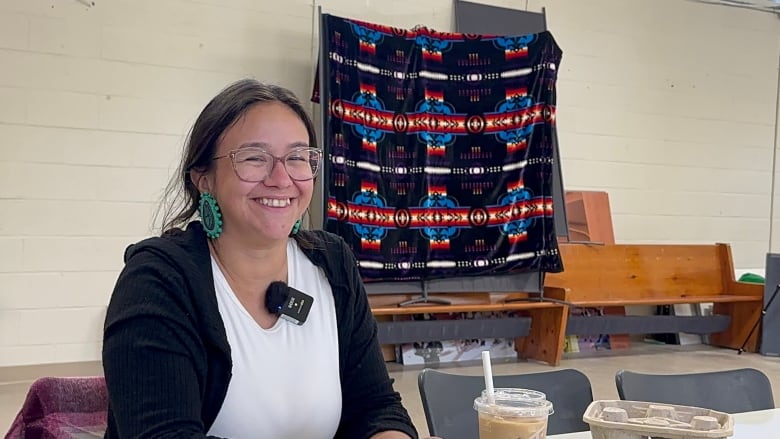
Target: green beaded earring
pixel 210 216
pixel 296 228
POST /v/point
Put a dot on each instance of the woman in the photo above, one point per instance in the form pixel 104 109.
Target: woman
pixel 190 348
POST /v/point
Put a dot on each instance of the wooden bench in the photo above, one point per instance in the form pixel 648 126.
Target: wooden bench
pixel 638 274
pixel 539 335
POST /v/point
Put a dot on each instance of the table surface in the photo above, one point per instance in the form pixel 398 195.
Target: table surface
pixel 761 424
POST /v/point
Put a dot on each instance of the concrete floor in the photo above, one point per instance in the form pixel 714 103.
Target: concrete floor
pixel 600 367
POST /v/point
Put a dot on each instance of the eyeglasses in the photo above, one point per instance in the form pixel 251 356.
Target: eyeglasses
pixel 255 164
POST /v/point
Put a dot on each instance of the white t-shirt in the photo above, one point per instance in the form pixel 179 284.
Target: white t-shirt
pixel 285 380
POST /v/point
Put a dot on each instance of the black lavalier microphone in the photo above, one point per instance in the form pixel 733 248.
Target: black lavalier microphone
pixel 287 302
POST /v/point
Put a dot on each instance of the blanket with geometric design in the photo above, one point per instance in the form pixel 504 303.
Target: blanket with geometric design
pixel 439 150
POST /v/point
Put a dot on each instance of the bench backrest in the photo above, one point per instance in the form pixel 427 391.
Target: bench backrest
pixel 640 271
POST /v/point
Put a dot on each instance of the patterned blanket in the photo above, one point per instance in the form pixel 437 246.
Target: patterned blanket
pixel 62 408
pixel 439 150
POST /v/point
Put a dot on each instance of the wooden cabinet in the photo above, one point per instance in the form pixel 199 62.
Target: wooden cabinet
pixel 589 217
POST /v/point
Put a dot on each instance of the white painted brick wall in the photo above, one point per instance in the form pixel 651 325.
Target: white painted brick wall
pixel 668 105
pixel 14 108
pixel 56 289
pixel 94 106
pixel 73 324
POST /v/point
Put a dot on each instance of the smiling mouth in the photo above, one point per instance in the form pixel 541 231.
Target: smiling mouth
pixel 274 202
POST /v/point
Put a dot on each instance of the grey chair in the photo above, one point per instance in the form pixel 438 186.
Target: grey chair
pixel 448 400
pixel 729 391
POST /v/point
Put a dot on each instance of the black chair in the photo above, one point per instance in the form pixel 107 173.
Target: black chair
pixel 729 391
pixel 448 400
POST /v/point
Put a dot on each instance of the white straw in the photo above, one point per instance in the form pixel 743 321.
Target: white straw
pixel 488 370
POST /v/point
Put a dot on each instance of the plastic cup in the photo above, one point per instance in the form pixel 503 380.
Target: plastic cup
pixel 513 413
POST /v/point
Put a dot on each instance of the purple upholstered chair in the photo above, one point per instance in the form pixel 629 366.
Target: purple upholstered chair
pixel 62 408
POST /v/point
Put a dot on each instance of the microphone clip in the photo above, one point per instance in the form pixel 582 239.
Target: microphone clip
pixel 288 303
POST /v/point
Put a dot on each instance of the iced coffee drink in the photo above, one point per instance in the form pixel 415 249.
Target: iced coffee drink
pixel 513 414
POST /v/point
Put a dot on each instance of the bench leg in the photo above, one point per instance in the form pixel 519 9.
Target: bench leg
pixel 743 316
pixel 546 337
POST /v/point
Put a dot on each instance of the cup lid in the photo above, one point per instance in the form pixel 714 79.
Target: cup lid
pixel 514 403
pixel 516 394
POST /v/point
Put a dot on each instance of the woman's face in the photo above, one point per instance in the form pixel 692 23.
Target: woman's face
pixel 264 211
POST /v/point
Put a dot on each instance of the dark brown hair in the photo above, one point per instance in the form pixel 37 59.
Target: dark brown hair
pixel 180 200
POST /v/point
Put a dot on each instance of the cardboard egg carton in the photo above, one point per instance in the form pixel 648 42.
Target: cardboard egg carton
pixel 643 420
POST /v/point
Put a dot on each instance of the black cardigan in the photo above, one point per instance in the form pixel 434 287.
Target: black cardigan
pixel 166 355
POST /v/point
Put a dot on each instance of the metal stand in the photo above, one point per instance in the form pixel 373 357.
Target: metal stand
pixel 759 320
pixel 425 298
pixel 541 297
